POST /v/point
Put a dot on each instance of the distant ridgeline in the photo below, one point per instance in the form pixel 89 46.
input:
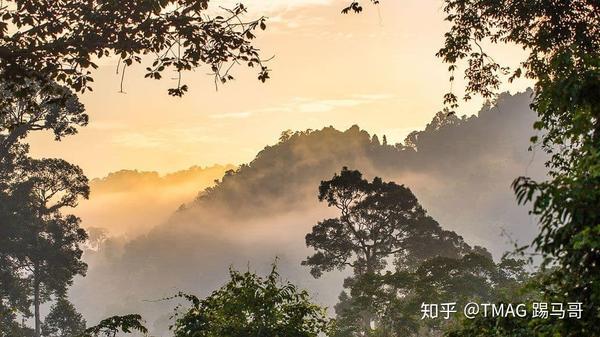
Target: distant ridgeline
pixel 476 151
pixel 460 169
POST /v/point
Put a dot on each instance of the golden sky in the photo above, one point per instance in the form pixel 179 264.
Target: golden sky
pixel 377 70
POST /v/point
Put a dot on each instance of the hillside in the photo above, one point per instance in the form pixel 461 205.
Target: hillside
pixel 459 168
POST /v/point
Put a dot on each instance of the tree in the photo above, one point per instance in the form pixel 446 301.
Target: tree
pixel 563 43
pixel 375 140
pixel 46 242
pixel 356 7
pixel 35 107
pixel 47 55
pixel 472 277
pixel 397 296
pixel 532 290
pixel 13 290
pixel 250 305
pixel 58 41
pixel 377 220
pixel 63 320
pixel 109 327
pixel 13 299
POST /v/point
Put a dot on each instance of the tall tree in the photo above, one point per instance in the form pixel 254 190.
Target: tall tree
pixel 13 289
pixel 63 320
pixel 562 40
pixel 378 220
pixel 47 242
pixel 13 296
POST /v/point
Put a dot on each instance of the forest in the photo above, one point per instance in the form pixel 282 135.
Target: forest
pixel 325 232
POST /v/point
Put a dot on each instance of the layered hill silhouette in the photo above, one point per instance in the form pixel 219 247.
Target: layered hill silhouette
pixel 461 170
pixel 458 167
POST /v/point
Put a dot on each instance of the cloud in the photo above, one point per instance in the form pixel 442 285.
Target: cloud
pixel 106 126
pixel 139 140
pixel 235 115
pixel 167 138
pixel 178 136
pixel 326 105
pixel 129 203
pixel 309 105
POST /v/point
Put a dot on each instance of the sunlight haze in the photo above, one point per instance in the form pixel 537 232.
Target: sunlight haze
pixel 377 70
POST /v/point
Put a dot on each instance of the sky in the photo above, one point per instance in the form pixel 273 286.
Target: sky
pixel 377 69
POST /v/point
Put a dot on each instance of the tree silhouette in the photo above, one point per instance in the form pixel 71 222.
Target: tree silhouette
pixel 109 327
pixel 13 290
pixel 63 320
pixel 563 53
pixel 57 42
pixel 356 7
pixel 46 242
pixel 377 220
pixel 396 297
pixel 33 107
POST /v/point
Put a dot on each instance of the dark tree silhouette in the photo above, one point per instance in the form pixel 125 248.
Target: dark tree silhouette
pixel 33 107
pixel 13 290
pixel 13 293
pixel 46 242
pixel 109 327
pixel 397 296
pixel 57 41
pixel 562 41
pixel 356 6
pixel 63 320
pixel 378 220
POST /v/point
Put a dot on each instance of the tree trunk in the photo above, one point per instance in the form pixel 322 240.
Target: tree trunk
pixel 36 304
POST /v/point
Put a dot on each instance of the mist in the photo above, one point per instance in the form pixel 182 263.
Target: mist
pixel 461 170
pixel 129 203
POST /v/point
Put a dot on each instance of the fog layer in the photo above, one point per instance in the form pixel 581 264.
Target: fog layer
pixel 461 170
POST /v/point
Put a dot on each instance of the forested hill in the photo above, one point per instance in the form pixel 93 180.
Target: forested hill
pixel 460 169
pixel 470 154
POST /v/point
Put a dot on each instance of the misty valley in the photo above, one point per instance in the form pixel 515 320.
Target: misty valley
pixel 299 168
pixel 259 213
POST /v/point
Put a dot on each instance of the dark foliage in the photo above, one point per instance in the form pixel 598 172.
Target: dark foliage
pixel 377 220
pixel 57 41
pixel 63 320
pixel 563 44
